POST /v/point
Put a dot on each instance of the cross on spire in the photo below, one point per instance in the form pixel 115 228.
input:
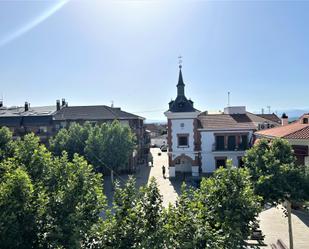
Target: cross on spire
pixel 180 61
pixel 180 85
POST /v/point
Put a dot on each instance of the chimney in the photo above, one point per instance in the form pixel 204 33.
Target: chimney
pixel 58 104
pixel 284 119
pixel 27 106
pixel 63 102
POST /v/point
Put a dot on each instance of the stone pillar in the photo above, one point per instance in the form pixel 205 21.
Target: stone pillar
pixel 171 166
pixel 195 170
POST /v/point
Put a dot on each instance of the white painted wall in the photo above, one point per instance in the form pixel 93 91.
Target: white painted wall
pixel 208 160
pixel 186 129
pixel 208 155
pixel 235 110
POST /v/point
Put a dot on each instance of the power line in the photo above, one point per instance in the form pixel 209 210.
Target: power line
pixel 147 111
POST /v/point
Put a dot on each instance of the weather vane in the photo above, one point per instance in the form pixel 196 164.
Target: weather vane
pixel 180 61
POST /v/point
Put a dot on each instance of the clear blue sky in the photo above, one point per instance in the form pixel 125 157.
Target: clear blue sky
pixel 92 52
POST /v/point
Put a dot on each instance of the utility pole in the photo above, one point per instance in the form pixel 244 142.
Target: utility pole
pixel 289 209
pixel 228 98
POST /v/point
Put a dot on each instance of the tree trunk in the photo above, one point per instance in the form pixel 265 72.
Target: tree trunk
pixel 288 207
pixel 112 177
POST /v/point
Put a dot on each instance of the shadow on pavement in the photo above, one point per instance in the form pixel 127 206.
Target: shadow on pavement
pixel 302 215
pixel 141 177
pixel 181 178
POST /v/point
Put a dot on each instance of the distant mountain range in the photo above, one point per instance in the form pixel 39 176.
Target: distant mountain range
pixel 155 121
pixel 292 113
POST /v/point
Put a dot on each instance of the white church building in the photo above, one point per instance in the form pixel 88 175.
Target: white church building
pixel 200 142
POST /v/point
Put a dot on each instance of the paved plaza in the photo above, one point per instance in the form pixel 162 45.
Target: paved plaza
pixel 274 226
pixel 169 189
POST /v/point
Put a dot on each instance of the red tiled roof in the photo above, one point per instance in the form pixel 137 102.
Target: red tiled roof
pixel 292 131
pixel 301 134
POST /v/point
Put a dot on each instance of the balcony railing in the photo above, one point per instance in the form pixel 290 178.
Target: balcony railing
pixel 239 148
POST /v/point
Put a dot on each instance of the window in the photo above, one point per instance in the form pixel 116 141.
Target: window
pixel 183 141
pixel 42 129
pixel 219 142
pixel 231 142
pixel 305 120
pixel 243 142
pixel 182 125
pixel 220 162
pixel 240 162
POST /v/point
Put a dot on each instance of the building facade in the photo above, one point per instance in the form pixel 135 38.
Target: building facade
pixel 200 142
pixel 46 121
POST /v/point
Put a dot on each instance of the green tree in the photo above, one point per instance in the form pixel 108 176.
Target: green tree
pixel 96 145
pixel 59 142
pixel 76 200
pixel 135 219
pixel 275 176
pixel 72 140
pixel 120 227
pixel 60 200
pixel 119 146
pixel 107 147
pixel 150 213
pixel 17 214
pixel 7 146
pixel 110 146
pixel 186 224
pixel 229 205
pixel 33 157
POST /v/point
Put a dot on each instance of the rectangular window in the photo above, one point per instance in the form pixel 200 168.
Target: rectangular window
pixel 220 162
pixel 231 142
pixel 42 129
pixel 219 142
pixel 183 141
pixel 244 142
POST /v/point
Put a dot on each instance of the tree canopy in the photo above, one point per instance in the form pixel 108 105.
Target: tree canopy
pixel 46 201
pixel 106 146
pixel 54 201
pixel 274 173
pixel 276 177
pixel 7 146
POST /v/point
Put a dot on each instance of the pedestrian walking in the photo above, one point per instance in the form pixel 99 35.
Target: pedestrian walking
pixel 163 171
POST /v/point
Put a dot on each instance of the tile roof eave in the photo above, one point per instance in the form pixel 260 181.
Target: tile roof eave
pixel 226 129
pixel 96 119
pixel 265 136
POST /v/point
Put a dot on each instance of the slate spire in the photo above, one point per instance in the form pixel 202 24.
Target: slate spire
pixel 180 85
